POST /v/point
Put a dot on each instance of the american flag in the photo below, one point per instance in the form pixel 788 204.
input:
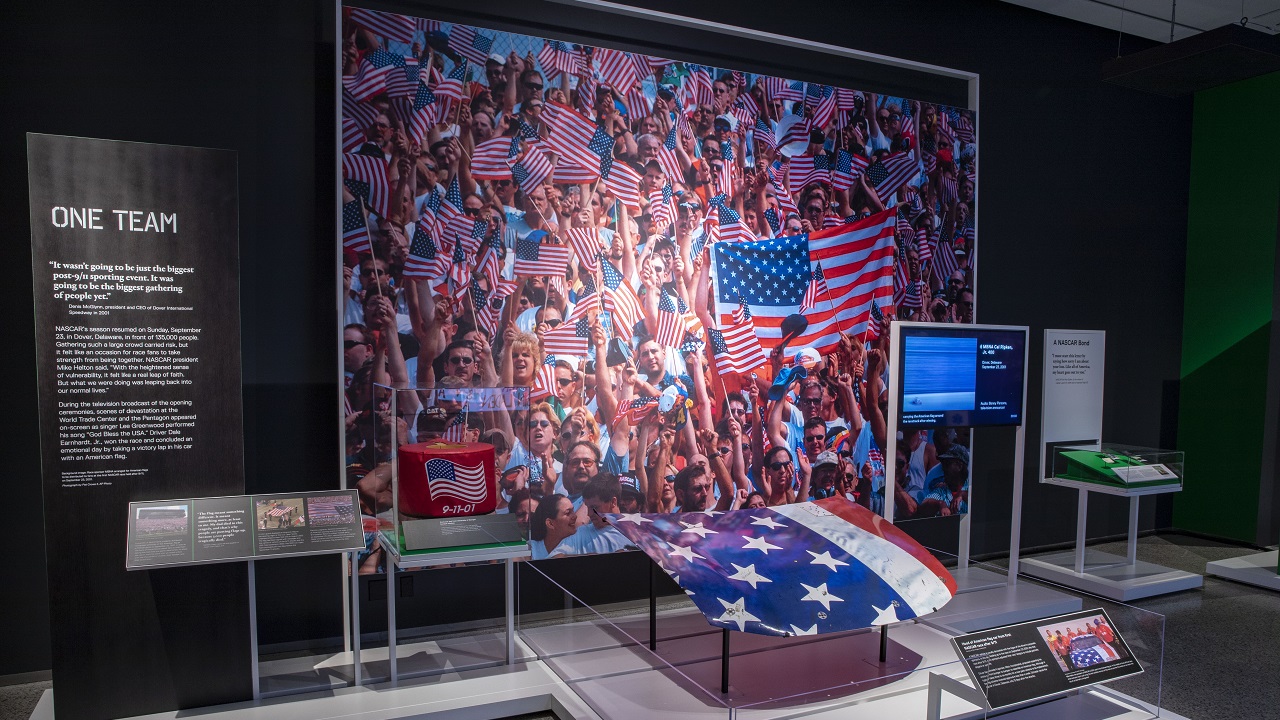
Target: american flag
pixel 467 483
pixel 924 248
pixel 620 300
pixel 352 136
pixel 491 266
pixel 826 110
pixel 846 99
pixel 570 173
pixel 587 87
pixel 404 83
pixel 806 169
pixel 696 88
pixel 783 195
pixel 388 25
pixel 878 324
pixel 637 103
pixel 621 181
pixel 451 87
pixel 769 276
pixel 796 132
pixel 736 349
pixel 571 337
pixel 849 167
pixel 423 113
pixel 456 430
pixel 587 246
pixel 535 258
pixel 529 168
pixel 815 292
pixel 617 69
pixel 710 232
pixel 557 57
pixel 763 133
pixel 470 43
pixel 425 257
pixel 486 315
pixel 577 138
pixel 890 172
pixel 544 381
pixel 489 159
pixel 366 178
pixel 728 167
pixel 731 228
pixel 948 193
pixel 662 208
pixel 745 109
pixel 355 231
pixel 944 260
pixel 371 75
pixel 909 297
pixel 667 157
pixel 459 267
pixel 362 113
pixel 635 411
pixel 780 89
pixel 775 222
pixel 671 321
pixel 802 569
pixel 462 229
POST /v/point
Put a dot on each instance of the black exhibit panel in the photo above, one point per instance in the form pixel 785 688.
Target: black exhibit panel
pixel 135 274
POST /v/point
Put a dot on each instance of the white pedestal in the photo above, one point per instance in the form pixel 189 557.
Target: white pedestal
pixel 1110 576
pixel 1258 570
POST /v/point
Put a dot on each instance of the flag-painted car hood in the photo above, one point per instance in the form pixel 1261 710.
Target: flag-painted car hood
pixel 801 569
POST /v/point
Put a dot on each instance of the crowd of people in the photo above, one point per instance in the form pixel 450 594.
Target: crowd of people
pixel 536 219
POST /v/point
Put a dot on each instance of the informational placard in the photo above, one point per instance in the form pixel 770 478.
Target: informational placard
pixel 1037 659
pixel 219 529
pixel 135 268
pixel 1071 412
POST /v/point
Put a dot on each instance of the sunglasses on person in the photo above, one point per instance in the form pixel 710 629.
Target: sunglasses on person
pixel 502 183
pixel 815 438
pixel 775 466
pixel 472 212
pixel 553 322
pixel 348 344
pixel 460 360
pixel 538 423
pixel 564 382
pixel 535 87
pixel 723 451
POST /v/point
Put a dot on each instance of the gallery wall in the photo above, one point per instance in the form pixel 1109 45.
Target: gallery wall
pixel 1227 345
pixel 1082 216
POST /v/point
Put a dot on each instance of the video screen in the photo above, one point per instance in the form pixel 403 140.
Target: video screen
pixel 962 376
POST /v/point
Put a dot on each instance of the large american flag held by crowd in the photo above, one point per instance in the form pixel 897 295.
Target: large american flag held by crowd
pixel 801 569
pixel 771 277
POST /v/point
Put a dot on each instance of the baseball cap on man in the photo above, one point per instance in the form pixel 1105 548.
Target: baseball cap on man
pixel 825 458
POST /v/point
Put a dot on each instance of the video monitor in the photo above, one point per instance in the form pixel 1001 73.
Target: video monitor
pixel 961 375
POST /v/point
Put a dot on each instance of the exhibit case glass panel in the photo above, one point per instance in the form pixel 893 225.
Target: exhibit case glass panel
pixel 448 476
pixel 1121 466
pixel 628 657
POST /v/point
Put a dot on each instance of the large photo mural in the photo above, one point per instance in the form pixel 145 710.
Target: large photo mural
pixel 692 271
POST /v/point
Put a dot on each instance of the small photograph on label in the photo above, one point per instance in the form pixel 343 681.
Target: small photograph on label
pixel 331 510
pixel 158 520
pixel 280 513
pixel 1082 642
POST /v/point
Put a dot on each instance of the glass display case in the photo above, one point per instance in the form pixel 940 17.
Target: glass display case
pixel 1119 466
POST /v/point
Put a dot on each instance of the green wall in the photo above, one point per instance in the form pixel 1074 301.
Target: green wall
pixel 1231 245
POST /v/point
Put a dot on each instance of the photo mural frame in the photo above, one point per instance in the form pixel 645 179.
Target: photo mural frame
pixel 590 24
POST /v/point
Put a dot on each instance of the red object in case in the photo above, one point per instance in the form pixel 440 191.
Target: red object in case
pixel 447 479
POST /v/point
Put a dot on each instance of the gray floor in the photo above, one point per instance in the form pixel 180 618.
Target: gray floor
pixel 1222 658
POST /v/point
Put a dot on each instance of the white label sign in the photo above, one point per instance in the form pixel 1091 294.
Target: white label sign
pixel 1071 412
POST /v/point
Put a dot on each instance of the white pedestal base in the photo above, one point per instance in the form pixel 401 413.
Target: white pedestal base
pixel 1111 576
pixel 1258 570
